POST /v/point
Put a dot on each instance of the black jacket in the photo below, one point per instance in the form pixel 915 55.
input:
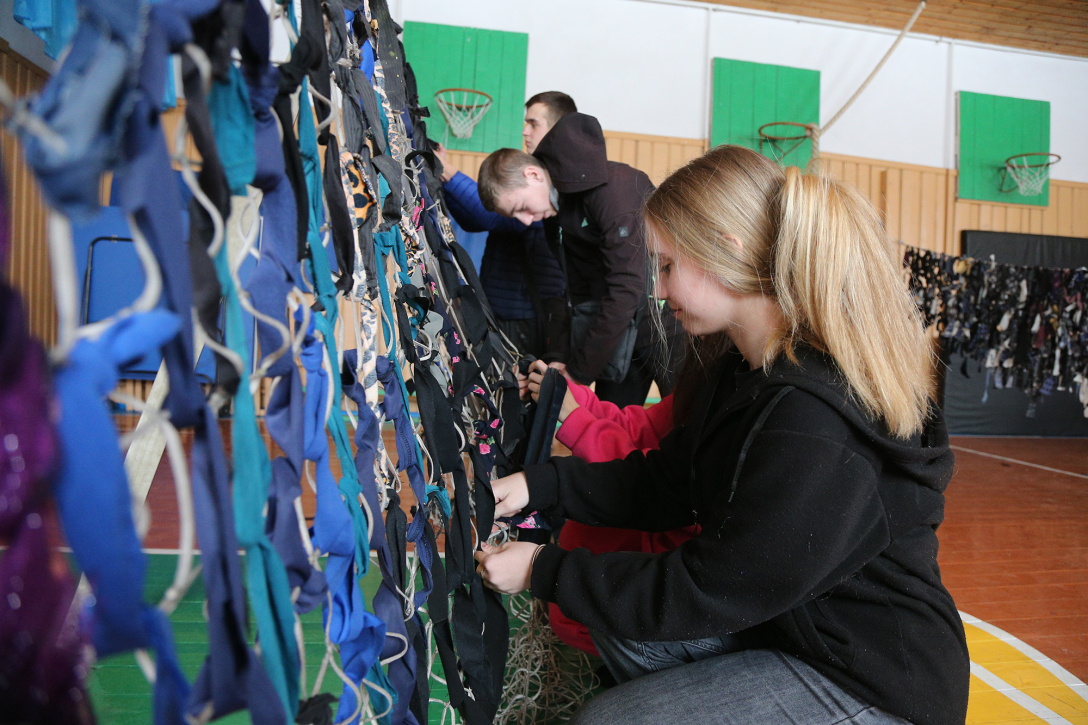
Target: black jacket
pixel 600 215
pixel 509 242
pixel 818 538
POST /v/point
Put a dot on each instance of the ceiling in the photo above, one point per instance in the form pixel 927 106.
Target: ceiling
pixel 1054 26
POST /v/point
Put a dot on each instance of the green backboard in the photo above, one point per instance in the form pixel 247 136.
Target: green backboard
pixel 991 129
pixel 749 95
pixel 492 61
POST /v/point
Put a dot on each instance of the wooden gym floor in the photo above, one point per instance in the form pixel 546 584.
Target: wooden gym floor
pixel 1014 554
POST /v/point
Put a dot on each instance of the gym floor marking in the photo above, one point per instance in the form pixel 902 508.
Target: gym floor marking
pixel 1016 460
pixel 1012 682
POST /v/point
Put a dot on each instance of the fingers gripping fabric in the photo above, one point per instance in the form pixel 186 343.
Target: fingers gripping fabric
pixel 354 234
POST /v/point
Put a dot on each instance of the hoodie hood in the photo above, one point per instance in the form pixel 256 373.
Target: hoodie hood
pixel 574 154
pixel 924 459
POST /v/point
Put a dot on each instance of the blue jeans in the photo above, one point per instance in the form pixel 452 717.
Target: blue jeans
pixel 714 681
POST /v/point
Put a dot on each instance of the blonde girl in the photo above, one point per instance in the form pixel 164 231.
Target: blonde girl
pixel 813 463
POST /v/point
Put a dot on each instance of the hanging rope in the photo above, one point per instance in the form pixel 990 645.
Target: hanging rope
pixel 814 131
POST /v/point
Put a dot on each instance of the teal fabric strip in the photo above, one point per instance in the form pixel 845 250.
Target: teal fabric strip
pixel 232 121
pixel 266 576
pixel 386 243
pixel 325 323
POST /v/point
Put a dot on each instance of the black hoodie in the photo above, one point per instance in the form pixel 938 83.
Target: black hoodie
pixel 817 538
pixel 600 214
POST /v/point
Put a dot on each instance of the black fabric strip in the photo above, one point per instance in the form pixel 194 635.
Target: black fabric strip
pixel 292 158
pixel 391 55
pixel 207 294
pixel 545 418
pixel 389 169
pixel 371 111
pixel 438 421
pixel 343 236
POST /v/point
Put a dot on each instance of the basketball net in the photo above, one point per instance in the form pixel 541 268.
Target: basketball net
pixel 462 108
pixel 1030 178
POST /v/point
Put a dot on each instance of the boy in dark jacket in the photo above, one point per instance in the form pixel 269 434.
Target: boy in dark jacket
pixel 519 274
pixel 591 209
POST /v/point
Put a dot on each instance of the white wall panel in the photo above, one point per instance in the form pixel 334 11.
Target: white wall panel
pixel 1040 78
pixel 900 117
pixel 638 67
pixel 642 67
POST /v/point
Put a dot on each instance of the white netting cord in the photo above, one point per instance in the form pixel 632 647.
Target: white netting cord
pixel 462 108
pixel 545 680
pixel 1029 177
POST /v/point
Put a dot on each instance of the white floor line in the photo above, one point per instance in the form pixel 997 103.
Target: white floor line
pixel 1028 703
pixel 1067 677
pixel 1016 460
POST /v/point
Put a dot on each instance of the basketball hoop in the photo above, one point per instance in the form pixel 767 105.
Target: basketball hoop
pixel 462 108
pixel 1030 172
pixel 784 137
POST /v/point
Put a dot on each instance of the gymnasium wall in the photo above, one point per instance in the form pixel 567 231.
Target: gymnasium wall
pixel 642 67
pixel 28 257
pixel 917 202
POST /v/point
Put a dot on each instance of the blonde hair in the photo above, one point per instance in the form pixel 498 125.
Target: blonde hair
pixel 818 247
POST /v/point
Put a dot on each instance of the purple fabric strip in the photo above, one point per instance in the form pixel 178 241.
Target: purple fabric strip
pixel 41 669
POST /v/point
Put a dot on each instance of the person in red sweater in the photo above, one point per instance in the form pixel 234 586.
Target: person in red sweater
pixel 596 430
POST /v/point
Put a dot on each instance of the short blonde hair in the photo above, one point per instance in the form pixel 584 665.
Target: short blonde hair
pixel 818 247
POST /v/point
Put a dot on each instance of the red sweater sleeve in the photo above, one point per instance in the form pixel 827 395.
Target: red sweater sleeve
pixel 601 431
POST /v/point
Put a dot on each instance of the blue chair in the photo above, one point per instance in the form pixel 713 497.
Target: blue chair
pixel 110 278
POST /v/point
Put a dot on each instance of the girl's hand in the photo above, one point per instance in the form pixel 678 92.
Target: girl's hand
pixel 508 568
pixel 511 494
pixel 523 385
pixel 536 376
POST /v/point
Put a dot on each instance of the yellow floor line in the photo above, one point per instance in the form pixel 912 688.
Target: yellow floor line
pixel 1013 682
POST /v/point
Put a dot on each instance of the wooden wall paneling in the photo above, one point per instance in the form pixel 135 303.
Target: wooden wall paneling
pixel 949 242
pixel 1036 223
pixel 930 232
pixel 659 161
pixel 864 182
pixel 892 203
pixel 1050 221
pixel 658 156
pixel 467 162
pixel 1057 26
pixel 613 146
pixel 911 210
pixel 644 157
pixel 1065 209
pixel 918 203
pixel 1080 211
pixel 850 173
pixel 986 217
pixel 27 268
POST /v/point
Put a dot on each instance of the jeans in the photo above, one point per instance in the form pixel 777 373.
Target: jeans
pixel 712 681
